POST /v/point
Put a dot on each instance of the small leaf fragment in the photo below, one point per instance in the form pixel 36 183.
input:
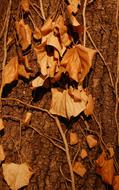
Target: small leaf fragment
pixel 16 175
pixel 92 142
pixel 115 184
pixel 27 118
pixel 79 169
pixel 2 154
pixel 90 106
pixel 25 5
pixel 38 81
pixel 1 124
pixel 84 153
pixel 73 138
pixel 24 34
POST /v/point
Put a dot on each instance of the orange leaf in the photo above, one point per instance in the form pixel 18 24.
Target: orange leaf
pixel 92 142
pixel 73 138
pixel 22 71
pixel 74 4
pixel 79 169
pixel 116 182
pixel 37 34
pixel 47 27
pixel 24 33
pixel 25 5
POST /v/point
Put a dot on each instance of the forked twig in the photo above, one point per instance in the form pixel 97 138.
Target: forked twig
pixel 84 22
pixel 101 56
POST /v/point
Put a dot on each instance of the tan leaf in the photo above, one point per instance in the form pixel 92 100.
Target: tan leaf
pixel 73 138
pixel 90 106
pixel 1 124
pixel 116 182
pixel 58 104
pixel 47 27
pixel 37 34
pixel 79 169
pixel 106 171
pixel 74 4
pixel 38 81
pixel 25 5
pixel 111 151
pixel 10 71
pixel 2 154
pixel 16 175
pixel 84 153
pixel 22 71
pixel 92 142
pixel 75 23
pixel 27 118
pixel 24 33
pixel 78 61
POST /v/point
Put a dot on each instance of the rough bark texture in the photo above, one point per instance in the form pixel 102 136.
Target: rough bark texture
pixel 24 144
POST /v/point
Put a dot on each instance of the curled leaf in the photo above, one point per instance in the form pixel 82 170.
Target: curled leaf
pixel 16 175
pixel 24 34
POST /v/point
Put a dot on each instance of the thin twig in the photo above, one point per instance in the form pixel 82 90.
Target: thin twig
pixel 117 74
pixel 84 22
pixel 101 56
pixel 67 152
pixel 98 123
pixel 34 8
pixel 41 8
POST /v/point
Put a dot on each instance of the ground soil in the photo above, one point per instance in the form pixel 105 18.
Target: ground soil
pixel 26 145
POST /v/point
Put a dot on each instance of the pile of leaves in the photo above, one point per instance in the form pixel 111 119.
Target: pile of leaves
pixel 58 59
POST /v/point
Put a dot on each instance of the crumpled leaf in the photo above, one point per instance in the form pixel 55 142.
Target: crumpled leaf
pixel 78 61
pixel 116 182
pixel 47 27
pixel 10 71
pixel 25 5
pixel 64 104
pixel 105 168
pixel 2 154
pixel 24 34
pixel 16 175
pixel 37 34
pixel 79 168
pixel 1 124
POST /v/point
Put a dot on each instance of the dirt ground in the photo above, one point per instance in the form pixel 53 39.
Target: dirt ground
pixel 23 144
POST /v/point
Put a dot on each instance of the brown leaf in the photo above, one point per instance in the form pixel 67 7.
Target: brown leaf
pixel 2 154
pixel 16 175
pixel 90 106
pixel 65 105
pixel 47 27
pixel 92 142
pixel 73 138
pixel 74 4
pixel 10 71
pixel 22 71
pixel 24 33
pixel 37 34
pixel 116 182
pixel 107 171
pixel 58 74
pixel 83 154
pixel 25 5
pixel 79 169
pixel 1 124
pixel 78 61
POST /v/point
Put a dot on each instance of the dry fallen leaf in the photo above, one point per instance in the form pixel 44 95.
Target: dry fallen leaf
pixel 92 142
pixel 106 171
pixel 90 106
pixel 27 118
pixel 22 71
pixel 25 5
pixel 38 81
pixel 116 182
pixel 16 175
pixel 111 151
pixel 84 153
pixel 79 169
pixel 37 34
pixel 24 34
pixel 47 27
pixel 74 5
pixel 10 71
pixel 64 104
pixel 1 124
pixel 73 138
pixel 2 154
pixel 78 61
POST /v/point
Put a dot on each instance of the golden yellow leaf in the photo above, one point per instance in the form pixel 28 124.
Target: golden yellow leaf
pixel 25 5
pixel 2 154
pixel 79 169
pixel 78 61
pixel 16 175
pixel 73 138
pixel 90 106
pixel 116 182
pixel 24 34
pixel 1 124
pixel 92 142
pixel 10 71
